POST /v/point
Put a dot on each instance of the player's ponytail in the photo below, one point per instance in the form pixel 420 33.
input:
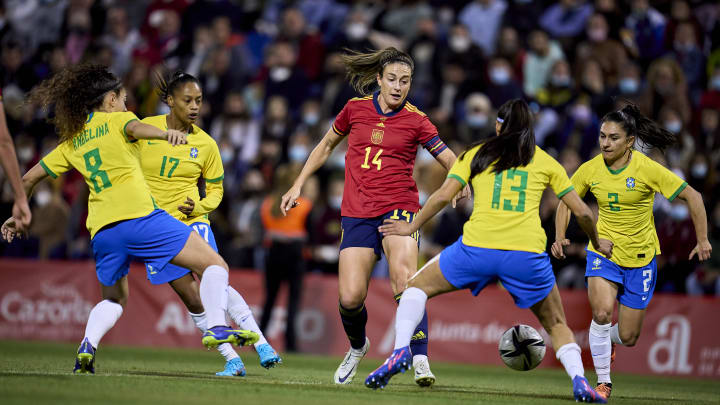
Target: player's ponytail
pixel 166 87
pixel 514 146
pixel 363 68
pixel 73 93
pixel 637 124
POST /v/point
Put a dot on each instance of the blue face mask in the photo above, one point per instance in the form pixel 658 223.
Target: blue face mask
pixel 715 83
pixel 477 120
pixel 297 153
pixel 629 86
pixel 499 76
pixel 673 126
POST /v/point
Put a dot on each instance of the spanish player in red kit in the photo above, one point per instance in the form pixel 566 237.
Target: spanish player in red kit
pixel 383 132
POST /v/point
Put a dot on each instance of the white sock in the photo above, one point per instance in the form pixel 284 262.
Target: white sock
pixel 600 347
pixel 213 294
pixel 225 349
pixel 409 314
pixel 569 356
pixel 240 312
pixel 615 335
pixel 102 317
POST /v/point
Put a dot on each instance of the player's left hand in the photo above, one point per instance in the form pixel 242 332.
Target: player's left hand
pixel 702 249
pixel 395 227
pixel 21 211
pixel 11 229
pixel 175 137
pixel 464 193
pixel 187 207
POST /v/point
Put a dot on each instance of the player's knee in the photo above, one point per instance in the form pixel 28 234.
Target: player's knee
pixel 629 338
pixel 351 300
pixel 602 316
pixel 399 280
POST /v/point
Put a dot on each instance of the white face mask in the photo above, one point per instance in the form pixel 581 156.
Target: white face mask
pixel 311 119
pixel 673 126
pixel 499 76
pixel 357 31
pixel 629 85
pixel 335 202
pixel 226 154
pixel 298 153
pixel 597 34
pixel 560 80
pixel 280 73
pixel 477 120
pixel 582 113
pixel 679 212
pixel 699 170
pixel 43 197
pixel 25 153
pixel 459 43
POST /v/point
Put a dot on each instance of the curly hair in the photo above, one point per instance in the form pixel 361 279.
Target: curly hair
pixel 363 68
pixel 73 93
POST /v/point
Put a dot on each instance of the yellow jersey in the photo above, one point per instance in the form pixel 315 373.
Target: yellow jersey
pixel 625 199
pixel 172 172
pixel 505 212
pixel 101 153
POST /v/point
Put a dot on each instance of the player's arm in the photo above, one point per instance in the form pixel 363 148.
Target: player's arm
pixel 21 209
pixel 316 160
pixel 140 130
pixel 562 219
pixel 586 220
pixel 12 227
pixel 699 217
pixel 440 198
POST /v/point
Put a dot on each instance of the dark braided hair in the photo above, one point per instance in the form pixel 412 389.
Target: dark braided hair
pixel 514 146
pixel 635 123
pixel 74 92
pixel 166 87
pixel 363 68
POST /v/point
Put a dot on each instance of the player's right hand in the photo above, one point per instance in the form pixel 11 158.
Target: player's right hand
pixel 11 229
pixel 605 247
pixel 289 200
pixel 175 137
pixel 21 211
pixel 557 248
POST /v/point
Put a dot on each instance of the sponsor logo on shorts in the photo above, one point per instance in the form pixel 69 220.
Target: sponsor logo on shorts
pixel 596 263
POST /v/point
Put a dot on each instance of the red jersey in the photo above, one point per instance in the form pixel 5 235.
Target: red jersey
pixel 381 155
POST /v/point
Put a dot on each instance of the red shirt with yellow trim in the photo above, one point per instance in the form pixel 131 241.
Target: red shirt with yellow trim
pixel 381 155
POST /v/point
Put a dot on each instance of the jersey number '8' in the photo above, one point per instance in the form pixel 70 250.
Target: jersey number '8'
pixel 510 174
pixel 92 165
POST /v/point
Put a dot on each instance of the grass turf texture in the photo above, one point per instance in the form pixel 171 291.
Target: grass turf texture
pixel 41 373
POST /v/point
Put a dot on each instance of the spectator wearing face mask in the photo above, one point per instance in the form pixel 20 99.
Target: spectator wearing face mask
pixel 680 154
pixel 510 49
pixel 307 41
pixel 608 52
pixel 689 56
pixel 502 84
pixel 311 120
pixel 708 134
pixel 462 51
pixel 594 86
pixel 51 230
pixel 705 280
pixel 236 125
pixel 629 84
pixel 560 89
pixel 540 59
pixel 579 131
pixel 676 233
pixel 356 32
pixel 283 77
pixel 477 124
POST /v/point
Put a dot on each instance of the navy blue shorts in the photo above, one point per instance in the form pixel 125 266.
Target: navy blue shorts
pixel 635 284
pixel 172 272
pixel 363 232
pixel 154 239
pixel 527 276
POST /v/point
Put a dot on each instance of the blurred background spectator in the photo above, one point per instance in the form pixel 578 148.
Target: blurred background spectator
pixel 273 84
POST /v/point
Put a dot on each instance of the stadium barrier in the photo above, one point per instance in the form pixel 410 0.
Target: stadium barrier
pixel 51 301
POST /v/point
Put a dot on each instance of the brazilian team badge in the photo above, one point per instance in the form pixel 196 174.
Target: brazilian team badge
pixel 596 263
pixel 630 183
pixel 193 152
pixel 377 136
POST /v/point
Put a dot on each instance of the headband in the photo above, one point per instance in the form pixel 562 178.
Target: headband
pixel 500 120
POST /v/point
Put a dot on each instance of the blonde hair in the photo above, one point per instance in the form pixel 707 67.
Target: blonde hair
pixel 363 68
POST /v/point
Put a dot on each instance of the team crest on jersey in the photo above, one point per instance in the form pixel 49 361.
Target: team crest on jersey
pixel 377 136
pixel 596 263
pixel 193 153
pixel 630 183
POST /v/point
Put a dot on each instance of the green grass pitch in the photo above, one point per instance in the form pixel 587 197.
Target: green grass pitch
pixel 39 372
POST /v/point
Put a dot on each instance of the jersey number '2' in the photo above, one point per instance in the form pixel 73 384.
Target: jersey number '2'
pixel 510 174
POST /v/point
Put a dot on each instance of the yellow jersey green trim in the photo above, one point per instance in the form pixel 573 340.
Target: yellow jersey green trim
pixel 47 170
pixel 90 117
pixel 618 171
pixel 125 132
pixel 567 190
pixel 154 205
pixel 678 191
pixel 458 178
pixel 215 180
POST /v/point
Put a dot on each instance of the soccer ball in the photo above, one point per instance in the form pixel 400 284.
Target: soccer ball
pixel 521 348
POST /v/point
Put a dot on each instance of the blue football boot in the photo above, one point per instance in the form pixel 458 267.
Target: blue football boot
pixel 233 368
pixel 399 361
pixel 223 334
pixel 268 356
pixel 584 393
pixel 85 360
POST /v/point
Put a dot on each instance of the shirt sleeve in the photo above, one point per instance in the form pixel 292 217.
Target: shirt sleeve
pixel 55 162
pixel 428 137
pixel 460 170
pixel 559 181
pixel 342 125
pixel 213 173
pixel 664 181
pixel 120 120
pixel 580 180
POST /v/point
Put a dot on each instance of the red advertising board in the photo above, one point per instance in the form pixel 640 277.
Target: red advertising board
pixel 51 301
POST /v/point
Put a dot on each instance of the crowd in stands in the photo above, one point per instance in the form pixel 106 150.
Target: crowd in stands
pixel 273 82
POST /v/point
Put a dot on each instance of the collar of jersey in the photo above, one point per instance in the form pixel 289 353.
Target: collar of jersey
pixel 379 110
pixel 90 117
pixel 618 171
pixel 192 129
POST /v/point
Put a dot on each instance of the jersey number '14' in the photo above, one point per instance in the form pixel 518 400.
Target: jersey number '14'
pixel 376 160
pixel 510 174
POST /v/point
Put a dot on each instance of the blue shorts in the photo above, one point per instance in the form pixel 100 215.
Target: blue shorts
pixel 635 284
pixel 527 276
pixel 363 232
pixel 155 239
pixel 172 272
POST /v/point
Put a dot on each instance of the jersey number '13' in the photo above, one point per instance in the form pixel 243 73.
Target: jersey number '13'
pixel 510 174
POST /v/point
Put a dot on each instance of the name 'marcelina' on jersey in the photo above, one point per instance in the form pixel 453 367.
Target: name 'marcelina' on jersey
pixel 101 153
pixel 381 155
pixel 506 205
pixel 172 172
pixel 625 200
